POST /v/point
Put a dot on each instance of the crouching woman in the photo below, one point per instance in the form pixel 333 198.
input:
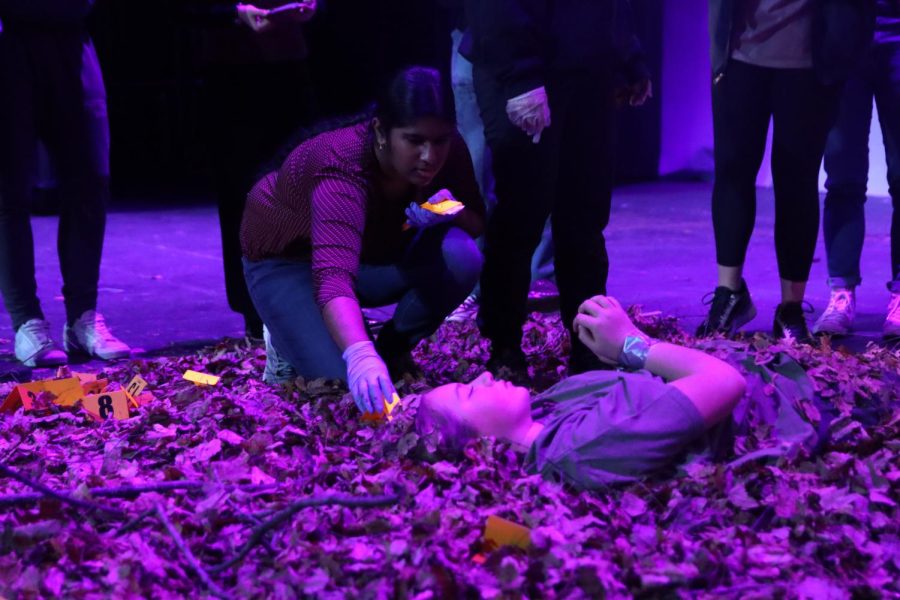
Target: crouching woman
pixel 600 427
pixel 339 226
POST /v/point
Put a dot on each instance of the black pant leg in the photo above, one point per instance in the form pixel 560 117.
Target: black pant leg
pixel 584 192
pixel 76 131
pixel 803 112
pixel 741 111
pixel 18 144
pixel 250 111
pixel 524 173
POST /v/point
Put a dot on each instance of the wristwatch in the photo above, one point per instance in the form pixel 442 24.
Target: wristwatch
pixel 635 350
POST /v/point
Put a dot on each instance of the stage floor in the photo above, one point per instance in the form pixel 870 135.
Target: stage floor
pixel 162 287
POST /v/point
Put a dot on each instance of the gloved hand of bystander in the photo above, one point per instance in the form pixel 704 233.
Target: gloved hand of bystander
pixel 530 112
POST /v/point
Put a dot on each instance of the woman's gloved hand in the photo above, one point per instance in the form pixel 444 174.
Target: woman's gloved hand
pixel 423 217
pixel 368 377
pixel 530 112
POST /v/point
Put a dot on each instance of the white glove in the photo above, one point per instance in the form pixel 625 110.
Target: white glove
pixel 530 112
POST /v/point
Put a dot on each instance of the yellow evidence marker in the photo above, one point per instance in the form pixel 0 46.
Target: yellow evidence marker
pixel 502 532
pixel 444 207
pixel 386 413
pixel 198 378
pixel 134 389
pixel 103 406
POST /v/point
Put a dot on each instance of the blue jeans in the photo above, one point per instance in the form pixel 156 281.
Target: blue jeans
pixel 847 165
pixel 438 270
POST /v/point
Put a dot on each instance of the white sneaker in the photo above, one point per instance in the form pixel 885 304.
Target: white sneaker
pixel 277 369
pixel 892 321
pixel 89 335
pixel 35 348
pixel 467 311
pixel 838 317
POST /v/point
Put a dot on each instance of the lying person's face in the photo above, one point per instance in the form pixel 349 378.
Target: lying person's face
pixel 490 407
pixel 420 150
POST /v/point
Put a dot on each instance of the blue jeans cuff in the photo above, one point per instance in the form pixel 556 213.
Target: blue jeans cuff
pixel 844 282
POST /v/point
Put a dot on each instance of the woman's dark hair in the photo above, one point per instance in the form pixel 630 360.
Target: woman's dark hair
pixel 412 93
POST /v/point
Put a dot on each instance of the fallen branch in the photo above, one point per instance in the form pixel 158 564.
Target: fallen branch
pixel 188 555
pixel 46 491
pixel 286 513
pixel 132 524
pixel 136 490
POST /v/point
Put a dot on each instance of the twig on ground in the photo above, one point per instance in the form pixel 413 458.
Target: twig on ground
pixel 132 524
pixel 46 491
pixel 286 513
pixel 189 556
pixel 135 490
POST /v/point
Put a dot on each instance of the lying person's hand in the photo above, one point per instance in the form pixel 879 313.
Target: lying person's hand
pixel 602 325
pixel 368 377
pixel 253 17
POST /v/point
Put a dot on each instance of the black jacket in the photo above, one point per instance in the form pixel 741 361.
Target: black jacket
pixel 842 32
pixel 524 41
pixel 45 14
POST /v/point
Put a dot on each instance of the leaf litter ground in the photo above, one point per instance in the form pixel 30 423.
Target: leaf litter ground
pixel 249 490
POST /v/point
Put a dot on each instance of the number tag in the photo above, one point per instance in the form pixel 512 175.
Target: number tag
pixel 67 392
pixel 134 388
pixel 103 406
pixel 201 378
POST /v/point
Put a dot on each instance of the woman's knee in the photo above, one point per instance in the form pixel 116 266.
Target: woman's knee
pixel 462 257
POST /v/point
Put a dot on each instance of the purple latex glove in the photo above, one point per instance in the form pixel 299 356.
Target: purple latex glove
pixel 367 377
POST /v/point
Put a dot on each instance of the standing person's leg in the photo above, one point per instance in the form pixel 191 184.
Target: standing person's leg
pixel 524 173
pixel 232 135
pixel 440 267
pixel 77 136
pixel 803 112
pixel 18 145
pixel 19 108
pixel 844 218
pixel 887 97
pixel 741 112
pixel 583 199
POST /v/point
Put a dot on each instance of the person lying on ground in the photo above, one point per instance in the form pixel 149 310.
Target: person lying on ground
pixel 600 427
pixel 340 225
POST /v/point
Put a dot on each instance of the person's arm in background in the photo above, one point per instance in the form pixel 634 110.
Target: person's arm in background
pixel 45 12
pixel 630 58
pixel 712 385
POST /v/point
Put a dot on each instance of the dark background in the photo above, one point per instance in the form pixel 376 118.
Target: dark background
pixel 153 82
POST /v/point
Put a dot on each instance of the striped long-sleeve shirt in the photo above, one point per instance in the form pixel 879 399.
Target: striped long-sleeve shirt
pixel 323 205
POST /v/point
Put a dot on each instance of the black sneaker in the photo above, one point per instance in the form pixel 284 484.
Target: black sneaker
pixel 394 349
pixel 508 363
pixel 790 323
pixel 729 311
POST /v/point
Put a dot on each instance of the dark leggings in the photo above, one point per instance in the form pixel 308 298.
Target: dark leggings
pixel 51 89
pixel 802 111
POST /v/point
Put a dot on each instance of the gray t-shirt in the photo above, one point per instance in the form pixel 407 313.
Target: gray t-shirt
pixel 773 33
pixel 608 427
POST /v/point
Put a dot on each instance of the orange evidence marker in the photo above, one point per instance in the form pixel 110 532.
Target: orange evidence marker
pixel 67 392
pixel 386 413
pixel 103 406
